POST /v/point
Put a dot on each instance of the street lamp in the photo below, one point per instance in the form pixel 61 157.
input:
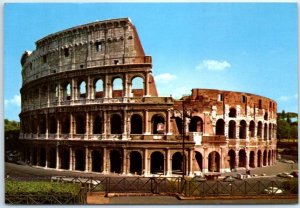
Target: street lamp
pixel 183 115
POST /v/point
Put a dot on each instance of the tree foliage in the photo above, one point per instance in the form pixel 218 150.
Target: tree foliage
pixel 11 125
pixel 287 125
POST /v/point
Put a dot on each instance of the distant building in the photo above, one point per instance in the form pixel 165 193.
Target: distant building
pixel 75 118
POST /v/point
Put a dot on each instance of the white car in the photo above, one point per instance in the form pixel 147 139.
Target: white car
pixel 273 190
pixel 285 175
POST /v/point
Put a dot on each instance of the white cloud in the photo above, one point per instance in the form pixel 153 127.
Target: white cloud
pixel 15 101
pixel 213 65
pixel 164 78
pixel 180 91
pixel 285 98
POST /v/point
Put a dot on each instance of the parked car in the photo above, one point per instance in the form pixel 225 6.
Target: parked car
pixel 294 173
pixel 272 190
pixel 285 175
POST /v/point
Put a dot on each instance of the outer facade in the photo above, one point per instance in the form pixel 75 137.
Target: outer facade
pixel 89 103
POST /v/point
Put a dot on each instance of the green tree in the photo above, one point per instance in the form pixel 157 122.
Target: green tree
pixel 11 125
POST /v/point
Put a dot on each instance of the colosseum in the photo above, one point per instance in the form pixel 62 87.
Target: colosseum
pixel 90 103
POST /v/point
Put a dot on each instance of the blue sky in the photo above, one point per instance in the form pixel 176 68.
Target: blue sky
pixel 248 47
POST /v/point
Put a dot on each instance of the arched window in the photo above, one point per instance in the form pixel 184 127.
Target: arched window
pixel 136 124
pixel 179 124
pixel 242 133
pixel 42 124
pixel 98 89
pixel 97 127
pixel 82 89
pixel 266 116
pixel 232 130
pixel 251 161
pixel 115 161
pixel 196 124
pixel 64 158
pixel 116 124
pixel 158 124
pixel 242 158
pixel 67 91
pixel 135 163
pixel 231 154
pixel 117 88
pixel 137 87
pixel 265 131
pixel 199 161
pixel 97 161
pixel 53 125
pixel 157 163
pixel 79 160
pixel 65 125
pixel 232 112
pixel 252 128
pixel 220 127
pixel 259 129
pixel 214 162
pixel 80 124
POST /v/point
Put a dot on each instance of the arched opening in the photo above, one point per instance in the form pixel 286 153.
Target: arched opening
pixel 52 158
pixel 116 124
pixel 265 131
pixel 157 163
pixel 232 130
pixel 177 163
pixel 65 125
pixel 97 161
pixel 64 154
pixel 265 158
pixel 117 88
pixel 252 128
pixel 214 162
pixel 136 124
pixel 232 113
pixel 258 158
pixel 232 164
pixel 270 131
pixel 179 124
pixel 251 161
pixel 266 116
pixel 97 127
pixel 42 157
pixel 242 132
pixel 137 87
pixel 135 163
pixel 242 158
pixel 67 91
pixel 196 124
pixel 80 124
pixel 42 124
pixel 115 161
pixel 82 89
pixel 158 124
pixel 199 161
pixel 259 129
pixel 53 125
pixel 269 157
pixel 34 156
pixel 220 127
pixel 79 160
pixel 98 88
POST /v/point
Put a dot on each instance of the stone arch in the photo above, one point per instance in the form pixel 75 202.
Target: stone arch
pixel 177 163
pixel 97 127
pixel 135 162
pixel 266 116
pixel 259 129
pixel 214 162
pixel 252 128
pixel 196 124
pixel 82 89
pixel 265 131
pixel 115 161
pixel 116 124
pixel 265 158
pixel 232 130
pixel 259 158
pixel 220 127
pixel 42 157
pixel 158 124
pixel 242 132
pixel 232 162
pixel 136 124
pixel 52 158
pixel 242 158
pixel 97 161
pixel 117 87
pixel 67 91
pixel 251 159
pixel 65 124
pixel 64 154
pixel 232 113
pixel 79 160
pixel 137 86
pixel 52 125
pixel 99 88
pixel 80 124
pixel 157 162
pixel 199 161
